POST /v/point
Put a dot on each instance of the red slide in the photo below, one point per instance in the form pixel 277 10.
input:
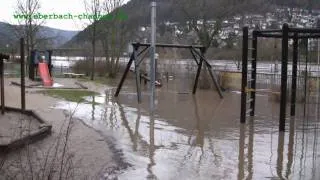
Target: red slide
pixel 44 74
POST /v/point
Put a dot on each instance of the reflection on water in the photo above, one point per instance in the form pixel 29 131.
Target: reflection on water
pixel 199 137
pixel 241 152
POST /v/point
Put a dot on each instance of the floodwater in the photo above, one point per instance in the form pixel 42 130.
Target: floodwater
pixel 200 137
pixel 181 65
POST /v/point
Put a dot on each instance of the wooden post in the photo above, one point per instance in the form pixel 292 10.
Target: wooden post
pixel 294 75
pixel 22 76
pixel 50 62
pixel 284 74
pixel 152 56
pixel 2 85
pixel 209 67
pixel 241 162
pixel 137 71
pixel 280 154
pixel 2 57
pixel 124 75
pixel 244 75
pixel 194 56
pixel 215 82
pixel 197 76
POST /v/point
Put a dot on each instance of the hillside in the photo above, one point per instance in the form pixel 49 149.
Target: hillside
pixel 138 15
pixel 138 12
pixel 6 35
pixel 56 37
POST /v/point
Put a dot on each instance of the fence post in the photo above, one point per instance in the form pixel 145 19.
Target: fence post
pixel 244 75
pixel 2 85
pixel 284 75
pixel 294 75
pixel 22 76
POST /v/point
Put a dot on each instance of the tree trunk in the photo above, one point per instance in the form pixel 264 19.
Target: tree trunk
pixel 93 50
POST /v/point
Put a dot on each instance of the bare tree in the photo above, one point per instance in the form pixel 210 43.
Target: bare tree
pixel 106 30
pixel 29 26
pixel 113 34
pixel 95 8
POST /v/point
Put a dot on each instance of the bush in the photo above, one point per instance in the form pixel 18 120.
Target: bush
pixel 84 67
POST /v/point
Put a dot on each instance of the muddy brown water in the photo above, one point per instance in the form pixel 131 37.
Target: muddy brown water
pixel 200 137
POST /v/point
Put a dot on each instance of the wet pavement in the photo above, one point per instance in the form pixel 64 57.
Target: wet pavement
pixel 200 137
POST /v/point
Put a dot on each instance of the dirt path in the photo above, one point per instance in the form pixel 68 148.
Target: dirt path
pixel 90 151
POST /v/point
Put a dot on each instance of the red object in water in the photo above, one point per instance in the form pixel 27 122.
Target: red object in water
pixel 44 74
pixel 158 83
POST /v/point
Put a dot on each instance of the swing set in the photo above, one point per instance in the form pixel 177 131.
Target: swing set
pixel 197 53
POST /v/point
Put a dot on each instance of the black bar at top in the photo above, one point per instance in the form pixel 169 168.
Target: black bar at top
pixel 304 30
pixel 269 31
pixel 290 36
pixel 169 45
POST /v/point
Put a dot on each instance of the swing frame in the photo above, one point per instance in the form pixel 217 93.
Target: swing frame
pixel 197 52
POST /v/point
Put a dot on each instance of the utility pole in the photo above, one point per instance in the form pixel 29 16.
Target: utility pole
pixel 317 89
pixel 152 55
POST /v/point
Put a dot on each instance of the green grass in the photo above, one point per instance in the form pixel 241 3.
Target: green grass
pixel 69 95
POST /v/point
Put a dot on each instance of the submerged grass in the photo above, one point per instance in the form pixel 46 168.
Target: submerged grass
pixel 97 80
pixel 69 95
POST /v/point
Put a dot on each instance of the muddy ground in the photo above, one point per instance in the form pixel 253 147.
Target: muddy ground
pixel 91 151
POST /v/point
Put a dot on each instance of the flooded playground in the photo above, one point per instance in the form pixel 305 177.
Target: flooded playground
pixel 200 136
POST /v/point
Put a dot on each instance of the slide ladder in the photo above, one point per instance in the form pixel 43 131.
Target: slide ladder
pixel 249 75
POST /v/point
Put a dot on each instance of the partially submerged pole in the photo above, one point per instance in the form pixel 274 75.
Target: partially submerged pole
pixel 152 55
pixel 318 85
pixel 2 57
pixel 137 72
pixel 253 82
pixel 124 75
pixel 294 75
pixel 306 78
pixel 22 76
pixel 244 75
pixel 284 76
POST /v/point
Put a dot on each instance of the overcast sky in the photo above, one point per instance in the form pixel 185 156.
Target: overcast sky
pixel 7 9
